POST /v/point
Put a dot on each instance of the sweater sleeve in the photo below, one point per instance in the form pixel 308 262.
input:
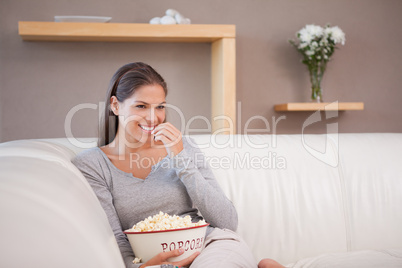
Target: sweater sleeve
pixel 206 194
pixel 92 171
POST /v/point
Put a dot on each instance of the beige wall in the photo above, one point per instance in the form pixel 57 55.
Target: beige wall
pixel 42 81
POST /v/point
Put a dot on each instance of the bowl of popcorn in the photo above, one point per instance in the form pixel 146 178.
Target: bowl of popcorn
pixel 162 233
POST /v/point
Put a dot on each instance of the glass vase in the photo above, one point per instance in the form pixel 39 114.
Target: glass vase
pixel 316 94
pixel 316 90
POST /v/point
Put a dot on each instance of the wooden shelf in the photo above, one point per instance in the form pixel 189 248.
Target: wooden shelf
pixel 221 37
pixel 123 32
pixel 313 106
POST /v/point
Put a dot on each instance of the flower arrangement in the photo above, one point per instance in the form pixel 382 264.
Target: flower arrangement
pixel 317 44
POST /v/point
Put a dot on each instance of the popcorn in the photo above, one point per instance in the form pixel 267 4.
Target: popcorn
pixel 163 221
pixel 137 260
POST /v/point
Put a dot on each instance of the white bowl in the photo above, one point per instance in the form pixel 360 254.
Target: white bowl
pixel 81 19
pixel 147 245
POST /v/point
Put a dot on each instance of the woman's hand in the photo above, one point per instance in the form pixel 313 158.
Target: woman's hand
pixel 170 136
pixel 162 257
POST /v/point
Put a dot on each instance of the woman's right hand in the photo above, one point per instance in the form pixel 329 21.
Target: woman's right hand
pixel 162 257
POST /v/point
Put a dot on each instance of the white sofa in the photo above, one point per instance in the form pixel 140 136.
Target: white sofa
pixel 304 200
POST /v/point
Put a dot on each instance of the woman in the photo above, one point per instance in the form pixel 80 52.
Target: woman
pixel 144 166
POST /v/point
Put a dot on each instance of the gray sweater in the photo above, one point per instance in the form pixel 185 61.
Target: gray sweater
pixel 182 185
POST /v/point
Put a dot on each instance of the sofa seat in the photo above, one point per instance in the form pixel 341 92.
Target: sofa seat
pixel 389 258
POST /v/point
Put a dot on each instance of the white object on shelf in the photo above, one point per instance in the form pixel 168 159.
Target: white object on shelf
pixel 171 16
pixel 156 20
pixel 182 20
pixel 171 12
pixel 81 19
pixel 168 20
pixel 179 18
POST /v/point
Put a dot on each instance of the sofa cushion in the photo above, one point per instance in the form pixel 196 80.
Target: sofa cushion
pixel 51 218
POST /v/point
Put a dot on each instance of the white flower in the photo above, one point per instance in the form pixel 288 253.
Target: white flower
pixel 310 52
pixel 335 34
pixel 302 45
pixel 314 30
pixel 310 32
pixel 305 36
